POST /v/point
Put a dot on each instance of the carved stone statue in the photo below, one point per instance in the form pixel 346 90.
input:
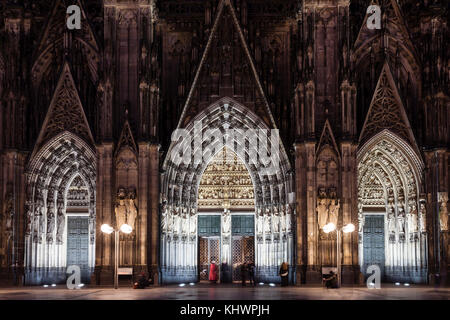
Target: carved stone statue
pixel 60 222
pixel 391 221
pixel 50 222
pixel 192 222
pixel 283 219
pixel 333 210
pixel 267 221
pixel 9 212
pixel 184 222
pixel 443 212
pixel 322 212
pixel 276 220
pixel 121 208
pixel 226 228
pixel 131 205
pixel 401 219
pixel 29 218
pixel 170 214
pixel 288 218
pixel 423 217
pixel 177 220
pixel 164 215
pixel 412 219
pixel 259 221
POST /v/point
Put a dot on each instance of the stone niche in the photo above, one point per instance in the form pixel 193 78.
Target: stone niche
pixel 125 206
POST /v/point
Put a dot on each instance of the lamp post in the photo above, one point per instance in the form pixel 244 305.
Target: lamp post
pixel 125 228
pixel 348 228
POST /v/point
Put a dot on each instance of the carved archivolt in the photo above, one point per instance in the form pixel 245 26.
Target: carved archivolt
pixel 388 183
pixel 61 175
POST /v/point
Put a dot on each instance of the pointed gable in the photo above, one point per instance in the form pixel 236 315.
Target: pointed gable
pixel 226 69
pixel 126 139
pixel 53 36
pixel 65 112
pixel 386 110
pixel 394 31
pixel 327 138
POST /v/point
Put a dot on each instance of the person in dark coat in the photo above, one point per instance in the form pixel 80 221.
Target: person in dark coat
pixel 331 281
pixel 244 271
pixel 284 274
pixel 142 282
pixel 251 274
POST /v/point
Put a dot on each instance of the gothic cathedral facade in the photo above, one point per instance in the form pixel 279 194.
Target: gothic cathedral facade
pixel 356 119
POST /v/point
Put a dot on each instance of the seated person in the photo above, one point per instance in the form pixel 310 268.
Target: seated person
pixel 331 280
pixel 142 282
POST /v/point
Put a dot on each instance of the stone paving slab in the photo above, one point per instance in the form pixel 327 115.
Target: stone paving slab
pixel 226 293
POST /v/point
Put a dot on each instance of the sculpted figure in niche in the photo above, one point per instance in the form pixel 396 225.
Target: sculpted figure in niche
pixel 276 220
pixel 192 222
pixel 50 222
pixel 401 219
pixel 170 214
pixel 177 220
pixel 185 222
pixel 283 219
pixel 9 212
pixel 360 218
pixel 267 221
pixel 423 217
pixel 260 220
pixel 334 211
pixel 164 215
pixel 29 218
pixel 412 219
pixel 226 221
pixel 322 212
pixel 288 218
pixel 131 205
pixel 391 220
pixel 60 222
pixel 121 208
pixel 443 213
pixel 37 217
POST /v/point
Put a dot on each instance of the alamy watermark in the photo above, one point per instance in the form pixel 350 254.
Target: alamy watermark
pixel 374 280
pixel 374 20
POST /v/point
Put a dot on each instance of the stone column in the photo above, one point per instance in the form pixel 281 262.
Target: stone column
pixel 313 274
pixel 154 221
pixel 104 247
pixel 143 197
pixel 349 196
pixel 301 207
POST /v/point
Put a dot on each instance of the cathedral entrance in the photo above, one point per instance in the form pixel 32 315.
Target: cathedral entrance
pixel 250 195
pixel 392 232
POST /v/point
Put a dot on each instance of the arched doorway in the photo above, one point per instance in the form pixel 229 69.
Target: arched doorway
pixel 60 211
pixel 226 124
pixel 226 216
pixel 392 227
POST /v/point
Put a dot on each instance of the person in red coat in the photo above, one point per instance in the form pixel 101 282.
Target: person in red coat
pixel 213 272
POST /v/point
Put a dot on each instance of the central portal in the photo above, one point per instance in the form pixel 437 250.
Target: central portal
pixel 226 217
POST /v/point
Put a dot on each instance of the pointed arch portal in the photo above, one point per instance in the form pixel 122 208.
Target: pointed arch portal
pixel 182 205
pixel 392 227
pixel 60 210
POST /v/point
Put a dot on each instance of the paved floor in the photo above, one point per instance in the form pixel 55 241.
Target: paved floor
pixel 218 292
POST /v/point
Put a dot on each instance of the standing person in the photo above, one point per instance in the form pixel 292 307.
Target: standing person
pixel 244 271
pixel 213 272
pixel 251 273
pixel 284 274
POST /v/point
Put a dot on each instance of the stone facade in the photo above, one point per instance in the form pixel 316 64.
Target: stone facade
pixel 87 117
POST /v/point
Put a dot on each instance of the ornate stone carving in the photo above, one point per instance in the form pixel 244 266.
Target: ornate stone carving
pixel 443 212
